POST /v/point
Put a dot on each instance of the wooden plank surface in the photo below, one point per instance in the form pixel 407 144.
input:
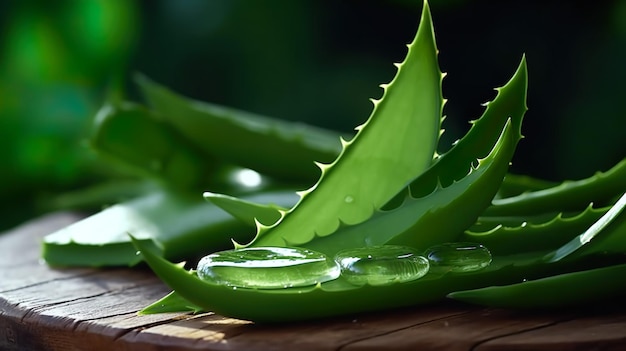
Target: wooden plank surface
pixel 89 309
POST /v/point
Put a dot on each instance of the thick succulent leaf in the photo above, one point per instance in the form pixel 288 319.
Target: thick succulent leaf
pixel 606 236
pixel 584 287
pixel 505 236
pixel 281 149
pixel 171 302
pixel 91 198
pixel 267 212
pixel 178 225
pixel 601 189
pixel 515 184
pixel 333 298
pixel 425 221
pixel 133 137
pixel 509 103
pixel 455 162
pixel 392 147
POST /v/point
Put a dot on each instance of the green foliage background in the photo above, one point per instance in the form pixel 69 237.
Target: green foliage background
pixel 316 61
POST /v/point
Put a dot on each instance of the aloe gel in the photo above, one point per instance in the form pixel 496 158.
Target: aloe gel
pixel 267 268
pixel 381 265
pixel 459 256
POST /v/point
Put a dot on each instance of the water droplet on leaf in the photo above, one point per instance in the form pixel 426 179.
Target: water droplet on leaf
pixel 459 256
pixel 267 268
pixel 381 265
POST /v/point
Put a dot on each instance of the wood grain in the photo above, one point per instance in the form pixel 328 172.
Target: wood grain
pixel 42 308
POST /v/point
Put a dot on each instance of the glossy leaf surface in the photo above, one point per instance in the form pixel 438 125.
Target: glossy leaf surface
pixel 468 176
pixel 244 138
pixel 393 146
pixel 178 225
pixel 333 298
pixel 594 285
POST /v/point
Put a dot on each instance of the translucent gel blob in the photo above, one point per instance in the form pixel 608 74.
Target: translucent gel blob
pixel 267 268
pixel 459 256
pixel 381 265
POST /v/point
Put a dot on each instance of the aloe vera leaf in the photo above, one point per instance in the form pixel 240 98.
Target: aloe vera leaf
pixel 509 103
pixel 277 148
pixel 607 235
pixel 333 298
pixel 250 212
pixel 424 221
pixel 394 145
pixel 516 184
pixel 485 224
pixel 93 196
pixel 176 224
pixel 593 285
pixel 536 233
pixel 211 300
pixel 479 140
pixel 569 195
pixel 132 136
pixel 171 302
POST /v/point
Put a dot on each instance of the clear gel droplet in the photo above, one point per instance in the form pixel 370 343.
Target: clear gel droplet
pixel 381 265
pixel 267 268
pixel 348 199
pixel 459 256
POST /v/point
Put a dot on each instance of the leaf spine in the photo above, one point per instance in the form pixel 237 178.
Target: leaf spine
pixel 323 166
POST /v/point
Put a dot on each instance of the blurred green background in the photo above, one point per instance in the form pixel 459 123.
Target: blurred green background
pixel 316 61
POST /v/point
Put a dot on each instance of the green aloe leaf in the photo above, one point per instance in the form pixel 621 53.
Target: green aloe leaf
pixel 601 188
pixel 455 164
pixel 516 184
pixel 133 137
pixel 606 236
pixel 177 225
pixel 531 233
pixel 509 103
pixel 250 212
pixel 593 285
pixel 421 193
pixel 277 148
pixel 425 220
pixel 393 146
pixel 457 180
pixel 332 298
pixel 171 302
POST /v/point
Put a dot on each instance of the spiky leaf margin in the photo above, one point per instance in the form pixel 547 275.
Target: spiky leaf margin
pixel 392 147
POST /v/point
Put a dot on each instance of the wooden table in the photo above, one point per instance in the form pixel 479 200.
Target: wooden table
pixel 88 309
